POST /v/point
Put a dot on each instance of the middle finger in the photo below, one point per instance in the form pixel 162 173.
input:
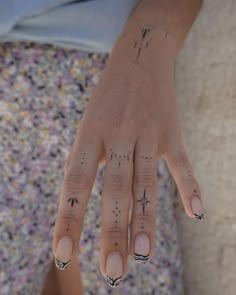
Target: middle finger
pixel 116 197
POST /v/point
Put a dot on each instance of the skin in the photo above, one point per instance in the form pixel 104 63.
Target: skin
pixel 130 122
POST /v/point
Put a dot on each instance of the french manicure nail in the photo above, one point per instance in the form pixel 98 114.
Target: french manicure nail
pixel 141 248
pixel 63 252
pixel 197 208
pixel 114 269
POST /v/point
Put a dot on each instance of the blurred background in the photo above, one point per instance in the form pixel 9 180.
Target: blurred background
pixel 206 86
pixel 43 94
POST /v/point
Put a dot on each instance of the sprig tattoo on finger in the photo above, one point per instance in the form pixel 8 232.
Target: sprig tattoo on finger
pixel 73 200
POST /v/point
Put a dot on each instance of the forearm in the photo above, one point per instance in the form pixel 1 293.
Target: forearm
pixel 157 25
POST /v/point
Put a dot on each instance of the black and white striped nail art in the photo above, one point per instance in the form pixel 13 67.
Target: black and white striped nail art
pixel 61 265
pixel 200 217
pixel 113 282
pixel 141 258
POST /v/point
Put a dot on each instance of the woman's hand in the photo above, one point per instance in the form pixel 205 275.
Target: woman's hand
pixel 131 120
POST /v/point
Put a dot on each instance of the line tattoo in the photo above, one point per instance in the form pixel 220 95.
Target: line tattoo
pixel 72 200
pixel 144 201
pixel 119 158
pixel 144 35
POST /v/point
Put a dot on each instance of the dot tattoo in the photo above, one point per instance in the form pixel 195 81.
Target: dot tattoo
pixel 119 158
pixel 146 158
pixel 83 159
pixel 143 201
pixel 116 212
pixel 67 227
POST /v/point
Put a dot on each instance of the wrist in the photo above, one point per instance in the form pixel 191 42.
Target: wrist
pixel 166 24
pixel 143 47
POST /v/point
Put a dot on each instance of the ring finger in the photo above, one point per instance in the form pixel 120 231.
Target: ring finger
pixel 142 242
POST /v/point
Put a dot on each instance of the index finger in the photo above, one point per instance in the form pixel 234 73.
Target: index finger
pixel 74 195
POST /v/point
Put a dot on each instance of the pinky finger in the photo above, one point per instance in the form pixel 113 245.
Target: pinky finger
pixel 187 184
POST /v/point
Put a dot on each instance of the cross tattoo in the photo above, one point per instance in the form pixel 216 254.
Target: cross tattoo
pixel 144 200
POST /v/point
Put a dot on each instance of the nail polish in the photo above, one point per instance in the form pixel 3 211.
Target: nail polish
pixel 61 265
pixel 63 253
pixel 197 208
pixel 141 248
pixel 113 282
pixel 114 269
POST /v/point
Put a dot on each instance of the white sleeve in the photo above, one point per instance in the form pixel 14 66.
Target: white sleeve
pixel 90 25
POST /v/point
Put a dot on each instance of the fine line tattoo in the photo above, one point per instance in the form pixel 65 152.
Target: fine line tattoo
pixel 119 158
pixel 144 201
pixel 73 200
pixel 144 32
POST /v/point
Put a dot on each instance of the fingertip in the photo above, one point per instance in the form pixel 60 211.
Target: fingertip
pixel 197 208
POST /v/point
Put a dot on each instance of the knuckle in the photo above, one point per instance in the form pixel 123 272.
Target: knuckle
pixel 179 158
pixel 77 181
pixel 146 221
pixel 119 182
pixel 115 234
pixel 68 217
pixel 146 178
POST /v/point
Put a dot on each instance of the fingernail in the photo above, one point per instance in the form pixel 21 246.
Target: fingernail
pixel 63 252
pixel 141 248
pixel 197 208
pixel 114 269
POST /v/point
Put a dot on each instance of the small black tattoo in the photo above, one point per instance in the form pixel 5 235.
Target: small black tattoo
pixel 143 201
pixel 147 158
pixel 73 200
pixel 119 158
pixel 144 32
